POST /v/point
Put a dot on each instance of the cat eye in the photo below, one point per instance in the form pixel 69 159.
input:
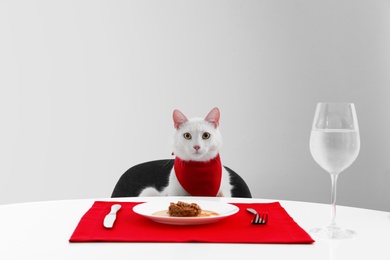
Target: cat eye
pixel 187 136
pixel 206 135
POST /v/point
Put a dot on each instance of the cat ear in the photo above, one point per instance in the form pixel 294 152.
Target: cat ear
pixel 178 118
pixel 213 117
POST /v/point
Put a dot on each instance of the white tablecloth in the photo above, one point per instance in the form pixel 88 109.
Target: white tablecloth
pixel 41 230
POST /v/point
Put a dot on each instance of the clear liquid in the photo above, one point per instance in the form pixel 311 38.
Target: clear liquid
pixel 334 149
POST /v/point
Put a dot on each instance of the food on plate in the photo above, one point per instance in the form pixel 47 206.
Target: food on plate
pixel 183 209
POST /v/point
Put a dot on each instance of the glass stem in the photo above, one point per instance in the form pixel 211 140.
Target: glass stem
pixel 333 177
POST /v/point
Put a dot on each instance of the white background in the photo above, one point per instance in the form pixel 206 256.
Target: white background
pixel 87 90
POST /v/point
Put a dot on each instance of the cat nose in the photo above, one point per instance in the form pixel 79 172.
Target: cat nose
pixel 196 147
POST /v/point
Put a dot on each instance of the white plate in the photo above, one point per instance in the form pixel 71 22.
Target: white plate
pixel 224 210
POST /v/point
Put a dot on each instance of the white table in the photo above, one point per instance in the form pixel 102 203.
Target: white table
pixel 40 230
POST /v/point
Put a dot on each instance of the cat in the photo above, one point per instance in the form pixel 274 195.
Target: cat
pixel 197 170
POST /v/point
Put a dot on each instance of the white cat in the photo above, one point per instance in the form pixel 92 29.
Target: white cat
pixel 197 170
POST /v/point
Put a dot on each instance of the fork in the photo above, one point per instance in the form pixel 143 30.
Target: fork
pixel 261 218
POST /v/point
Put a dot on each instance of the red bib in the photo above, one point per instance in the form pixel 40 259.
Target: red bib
pixel 199 178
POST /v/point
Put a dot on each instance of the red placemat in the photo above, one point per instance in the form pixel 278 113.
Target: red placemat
pixel 131 227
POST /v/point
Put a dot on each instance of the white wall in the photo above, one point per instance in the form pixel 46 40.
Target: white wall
pixel 87 89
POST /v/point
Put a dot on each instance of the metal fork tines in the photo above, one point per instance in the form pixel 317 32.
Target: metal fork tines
pixel 261 218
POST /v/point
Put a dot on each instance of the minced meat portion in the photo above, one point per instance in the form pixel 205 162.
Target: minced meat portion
pixel 182 209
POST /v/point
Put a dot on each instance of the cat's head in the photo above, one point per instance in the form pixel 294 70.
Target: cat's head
pixel 197 139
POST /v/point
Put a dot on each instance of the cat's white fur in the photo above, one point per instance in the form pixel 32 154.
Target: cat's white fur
pixel 195 149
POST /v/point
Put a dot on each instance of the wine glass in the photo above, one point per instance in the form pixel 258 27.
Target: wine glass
pixel 334 145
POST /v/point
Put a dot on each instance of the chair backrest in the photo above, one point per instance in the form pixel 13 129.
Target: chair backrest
pixel 156 174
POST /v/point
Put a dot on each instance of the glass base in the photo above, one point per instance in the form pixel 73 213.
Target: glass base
pixel 331 232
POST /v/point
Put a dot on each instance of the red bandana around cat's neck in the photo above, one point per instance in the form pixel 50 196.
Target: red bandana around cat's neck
pixel 199 178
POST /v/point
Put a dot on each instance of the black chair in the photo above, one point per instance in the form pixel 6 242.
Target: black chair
pixel 156 174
